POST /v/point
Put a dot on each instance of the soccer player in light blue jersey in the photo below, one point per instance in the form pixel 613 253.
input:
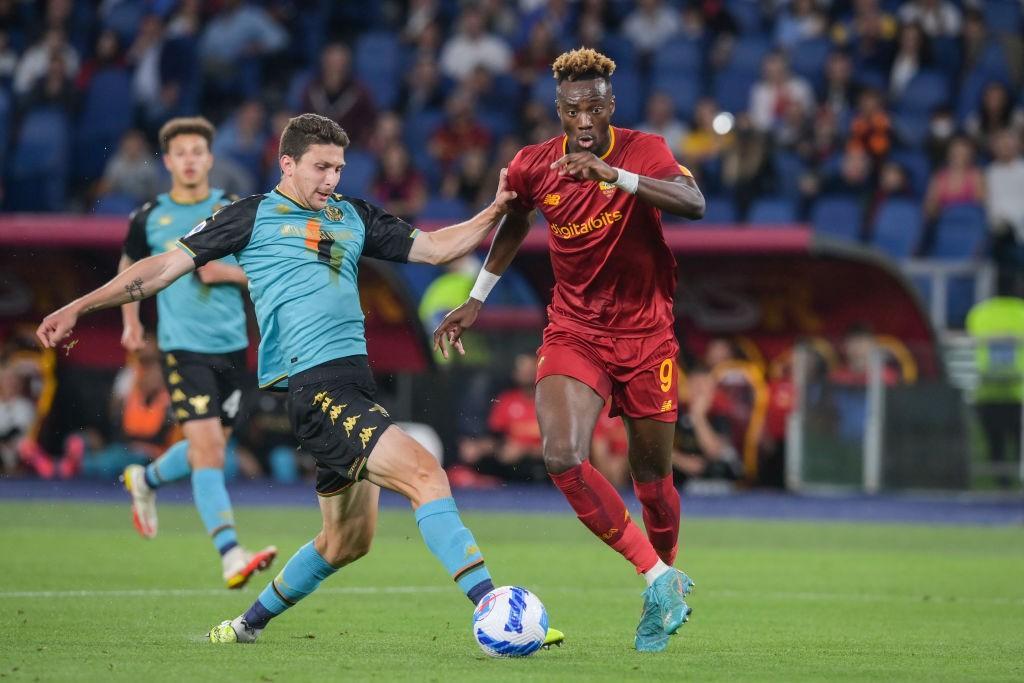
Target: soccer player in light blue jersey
pixel 300 246
pixel 201 333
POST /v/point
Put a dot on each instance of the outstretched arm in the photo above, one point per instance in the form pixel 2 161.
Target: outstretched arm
pixel 143 279
pixel 455 241
pixel 507 240
pixel 132 334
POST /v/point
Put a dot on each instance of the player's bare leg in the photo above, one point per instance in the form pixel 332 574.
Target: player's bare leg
pixel 207 440
pixel 650 463
pixel 349 522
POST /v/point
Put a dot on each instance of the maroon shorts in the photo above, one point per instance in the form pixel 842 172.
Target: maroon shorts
pixel 639 373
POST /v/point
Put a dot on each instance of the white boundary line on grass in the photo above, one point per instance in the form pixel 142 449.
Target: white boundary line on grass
pixel 408 590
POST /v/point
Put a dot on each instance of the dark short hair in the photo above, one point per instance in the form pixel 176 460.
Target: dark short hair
pixel 310 129
pixel 185 125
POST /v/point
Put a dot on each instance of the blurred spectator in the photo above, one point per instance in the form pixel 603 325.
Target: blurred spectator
pixel 8 60
pixel 387 132
pixel 838 91
pixel 533 60
pixel 422 88
pixel 745 162
pixel 143 55
pixel 53 89
pixel 892 184
pixel 1004 204
pixel 35 63
pixel 703 447
pixel 267 445
pixel 460 132
pixel 960 181
pixel 17 415
pixel 852 178
pixel 538 123
pixel 800 20
pixel 868 36
pixel 776 92
pixel 336 93
pixel 996 113
pixel 239 31
pixel 420 15
pixel 702 146
pixel 822 144
pixel 513 420
pixel 938 18
pixel 271 147
pixel 650 25
pixel 912 55
pixel 661 120
pixel 467 181
pixel 857 346
pixel 398 187
pixel 107 55
pixel 243 136
pixel 941 130
pixel 472 46
pixel 232 177
pixel 796 126
pixel 871 130
pixel 132 171
pixel 609 452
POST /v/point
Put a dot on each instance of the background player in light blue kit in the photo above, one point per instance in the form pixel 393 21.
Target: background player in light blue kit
pixel 202 336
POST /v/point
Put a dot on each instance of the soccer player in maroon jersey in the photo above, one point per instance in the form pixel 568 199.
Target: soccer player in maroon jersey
pixel 610 327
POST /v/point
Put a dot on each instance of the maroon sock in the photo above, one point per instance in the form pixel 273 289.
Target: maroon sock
pixel 661 515
pixel 600 508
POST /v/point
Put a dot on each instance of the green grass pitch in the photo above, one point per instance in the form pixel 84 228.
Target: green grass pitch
pixel 83 598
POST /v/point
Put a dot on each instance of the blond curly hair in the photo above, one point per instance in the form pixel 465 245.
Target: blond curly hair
pixel 581 64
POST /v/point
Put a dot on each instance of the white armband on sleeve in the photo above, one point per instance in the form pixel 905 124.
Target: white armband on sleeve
pixel 485 282
pixel 627 181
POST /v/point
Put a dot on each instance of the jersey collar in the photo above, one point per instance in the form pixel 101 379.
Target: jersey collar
pixel 611 144
pixel 292 200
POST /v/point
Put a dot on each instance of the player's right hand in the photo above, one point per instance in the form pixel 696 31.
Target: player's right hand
pixel 449 332
pixel 56 327
pixel 132 338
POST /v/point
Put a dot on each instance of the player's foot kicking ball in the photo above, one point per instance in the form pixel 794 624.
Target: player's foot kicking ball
pixel 235 631
pixel 143 500
pixel 553 637
pixel 240 564
pixel 665 610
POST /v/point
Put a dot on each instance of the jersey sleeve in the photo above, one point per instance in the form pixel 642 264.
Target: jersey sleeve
pixel 136 243
pixel 658 161
pixel 387 237
pixel 518 181
pixel 226 232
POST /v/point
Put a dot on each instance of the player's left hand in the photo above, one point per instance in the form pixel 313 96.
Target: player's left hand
pixel 56 327
pixel 503 196
pixel 585 166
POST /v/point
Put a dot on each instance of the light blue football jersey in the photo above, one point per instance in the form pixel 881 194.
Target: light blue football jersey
pixel 303 268
pixel 192 316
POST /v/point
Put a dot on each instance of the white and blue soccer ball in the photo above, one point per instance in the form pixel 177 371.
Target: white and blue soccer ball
pixel 510 622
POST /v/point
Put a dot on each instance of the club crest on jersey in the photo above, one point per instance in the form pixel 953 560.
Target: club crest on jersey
pixel 333 213
pixel 165 220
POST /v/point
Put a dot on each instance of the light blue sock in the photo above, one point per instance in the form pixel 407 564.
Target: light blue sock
pixel 454 545
pixel 300 577
pixel 171 466
pixel 211 499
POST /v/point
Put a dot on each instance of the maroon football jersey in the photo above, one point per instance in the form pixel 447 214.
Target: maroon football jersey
pixel 614 274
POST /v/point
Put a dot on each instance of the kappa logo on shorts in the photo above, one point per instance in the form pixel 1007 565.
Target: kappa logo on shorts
pixel 200 404
pixel 171 360
pixel 350 423
pixel 181 413
pixel 336 412
pixel 174 377
pixel 377 408
pixel 366 435
pixel 178 395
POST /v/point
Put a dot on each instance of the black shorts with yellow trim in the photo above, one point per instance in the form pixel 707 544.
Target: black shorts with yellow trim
pixel 204 385
pixel 336 420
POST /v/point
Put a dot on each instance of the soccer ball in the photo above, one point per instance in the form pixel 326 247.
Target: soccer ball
pixel 510 622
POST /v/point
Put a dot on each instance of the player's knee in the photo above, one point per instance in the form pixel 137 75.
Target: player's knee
pixel 207 453
pixel 562 453
pixel 343 550
pixel 427 481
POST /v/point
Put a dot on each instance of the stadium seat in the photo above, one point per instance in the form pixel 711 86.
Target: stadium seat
pixel 771 212
pixel 747 55
pixel 960 233
pixel 39 161
pixel 104 119
pixel 788 169
pixel 747 14
pixel 620 49
pixel 683 87
pixel 378 62
pixel 115 205
pixel 444 209
pixel 911 128
pixel 915 164
pixel 732 89
pixel 679 55
pixel 837 216
pixel 360 169
pixel 629 97
pixel 1002 16
pixel 5 124
pixel 807 58
pixel 947 54
pixel 896 230
pixel 719 212
pixel 926 91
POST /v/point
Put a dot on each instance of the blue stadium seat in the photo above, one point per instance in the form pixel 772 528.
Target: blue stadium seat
pixel 807 58
pixel 788 169
pixel 682 86
pixel 620 49
pixel 106 115
pixel 379 60
pixel 732 89
pixel 926 91
pixel 444 209
pixel 771 212
pixel 629 97
pixel 420 126
pixel 719 211
pixel 837 216
pixel 747 14
pixel 5 124
pixel 911 128
pixel 1002 16
pixel 748 53
pixel 357 177
pixel 39 162
pixel 115 205
pixel 960 233
pixel 947 54
pixel 679 55
pixel 917 167
pixel 896 230
pixel 543 90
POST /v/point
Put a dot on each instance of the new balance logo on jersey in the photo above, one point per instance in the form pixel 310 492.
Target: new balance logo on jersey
pixel 666 406
pixel 552 199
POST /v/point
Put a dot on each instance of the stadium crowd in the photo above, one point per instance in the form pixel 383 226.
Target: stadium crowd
pixel 892 123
